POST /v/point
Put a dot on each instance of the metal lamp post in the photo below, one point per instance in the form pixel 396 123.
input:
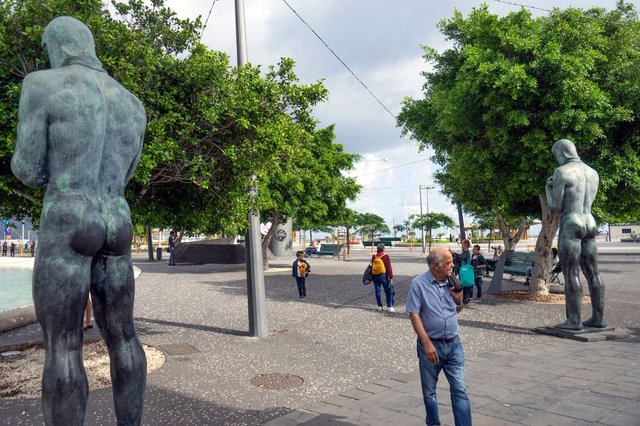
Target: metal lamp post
pixel 255 275
pixel 427 188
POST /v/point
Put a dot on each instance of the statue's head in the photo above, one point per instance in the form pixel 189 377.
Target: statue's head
pixel 65 38
pixel 564 150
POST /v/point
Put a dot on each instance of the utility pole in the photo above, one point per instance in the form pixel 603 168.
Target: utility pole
pixel 253 241
pixel 421 218
pixel 427 188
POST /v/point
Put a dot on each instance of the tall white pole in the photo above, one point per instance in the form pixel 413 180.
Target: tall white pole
pixel 421 218
pixel 253 241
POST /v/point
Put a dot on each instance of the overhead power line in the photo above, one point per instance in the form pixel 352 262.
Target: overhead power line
pixel 521 5
pixel 390 168
pixel 339 59
pixel 208 16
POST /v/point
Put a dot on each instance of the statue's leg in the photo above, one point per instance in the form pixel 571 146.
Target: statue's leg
pixel 112 291
pixel 569 253
pixel 60 289
pixel 589 265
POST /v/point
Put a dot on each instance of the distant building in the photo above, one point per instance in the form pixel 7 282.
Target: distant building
pixel 625 231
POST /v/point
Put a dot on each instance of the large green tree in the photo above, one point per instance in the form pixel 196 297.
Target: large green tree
pixel 211 126
pixel 431 221
pixel 509 87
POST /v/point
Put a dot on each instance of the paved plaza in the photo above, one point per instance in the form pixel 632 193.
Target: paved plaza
pixel 359 365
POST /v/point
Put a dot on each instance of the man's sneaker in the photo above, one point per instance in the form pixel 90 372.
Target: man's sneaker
pixel 379 308
pixel 391 309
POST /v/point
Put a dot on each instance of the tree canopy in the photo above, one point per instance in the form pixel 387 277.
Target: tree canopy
pixel 509 87
pixel 211 126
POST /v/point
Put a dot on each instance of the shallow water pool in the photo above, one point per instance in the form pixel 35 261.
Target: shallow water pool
pixel 15 288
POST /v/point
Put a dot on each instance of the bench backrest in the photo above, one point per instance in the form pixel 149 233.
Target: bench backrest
pixel 520 258
pixel 331 247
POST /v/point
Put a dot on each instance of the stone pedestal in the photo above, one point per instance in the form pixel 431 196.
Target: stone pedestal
pixel 587 334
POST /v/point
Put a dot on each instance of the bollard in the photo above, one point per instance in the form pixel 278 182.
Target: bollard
pixel 159 253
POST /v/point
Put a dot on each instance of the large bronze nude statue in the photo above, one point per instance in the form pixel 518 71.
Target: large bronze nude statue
pixel 571 190
pixel 80 135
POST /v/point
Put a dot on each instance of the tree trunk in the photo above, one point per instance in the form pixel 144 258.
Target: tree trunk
pixel 461 221
pixel 348 240
pixel 509 241
pixel 541 275
pixel 149 243
pixel 275 217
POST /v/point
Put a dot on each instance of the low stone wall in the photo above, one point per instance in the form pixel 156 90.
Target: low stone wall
pixel 17 317
pixel 199 252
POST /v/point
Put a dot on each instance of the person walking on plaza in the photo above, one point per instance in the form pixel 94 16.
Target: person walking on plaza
pixel 383 278
pixel 300 272
pixel 465 259
pixel 33 248
pixel 172 248
pixel 479 264
pixel 12 249
pixel 4 248
pixel 432 304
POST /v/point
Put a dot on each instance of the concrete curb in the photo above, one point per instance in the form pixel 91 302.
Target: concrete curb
pixel 17 317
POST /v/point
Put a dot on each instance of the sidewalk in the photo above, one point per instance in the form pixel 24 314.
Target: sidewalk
pixel 563 383
pixel 358 365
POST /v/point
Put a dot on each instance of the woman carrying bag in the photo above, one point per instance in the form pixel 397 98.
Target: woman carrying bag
pixel 467 274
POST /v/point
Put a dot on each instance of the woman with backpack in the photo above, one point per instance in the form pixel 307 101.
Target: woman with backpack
pixel 383 278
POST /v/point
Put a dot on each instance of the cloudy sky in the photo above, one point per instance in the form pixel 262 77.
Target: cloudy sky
pixel 379 40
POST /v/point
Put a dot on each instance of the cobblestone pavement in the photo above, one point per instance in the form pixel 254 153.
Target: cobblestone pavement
pixel 358 365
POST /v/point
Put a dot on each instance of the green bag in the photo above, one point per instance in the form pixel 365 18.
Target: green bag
pixel 467 275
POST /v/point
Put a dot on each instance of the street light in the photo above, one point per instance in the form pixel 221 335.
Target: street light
pixel 255 276
pixel 427 188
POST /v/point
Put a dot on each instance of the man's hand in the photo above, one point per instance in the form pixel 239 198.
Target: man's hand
pixel 430 350
pixel 456 295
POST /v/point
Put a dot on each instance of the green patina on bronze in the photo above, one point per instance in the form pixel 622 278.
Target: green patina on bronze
pixel 80 135
pixel 571 190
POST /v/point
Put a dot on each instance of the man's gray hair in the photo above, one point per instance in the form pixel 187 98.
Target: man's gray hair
pixel 380 247
pixel 435 258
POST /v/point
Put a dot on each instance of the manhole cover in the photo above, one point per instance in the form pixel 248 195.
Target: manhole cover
pixel 277 381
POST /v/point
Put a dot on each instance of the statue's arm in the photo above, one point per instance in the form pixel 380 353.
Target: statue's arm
pixel 555 191
pixel 142 120
pixel 29 162
pixel 134 163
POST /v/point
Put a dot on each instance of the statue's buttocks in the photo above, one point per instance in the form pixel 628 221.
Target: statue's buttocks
pixel 579 225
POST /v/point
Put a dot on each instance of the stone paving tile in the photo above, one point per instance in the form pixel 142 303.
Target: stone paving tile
pixel 484 420
pixel 356 394
pixel 406 404
pixel 631 407
pixel 620 418
pixel 512 384
pixel 580 411
pixel 599 400
pixel 573 382
pixel 293 418
pixel 631 392
pixel 372 388
pixel 506 412
pixel 550 419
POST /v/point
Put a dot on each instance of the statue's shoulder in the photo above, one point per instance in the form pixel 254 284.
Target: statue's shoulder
pixel 42 77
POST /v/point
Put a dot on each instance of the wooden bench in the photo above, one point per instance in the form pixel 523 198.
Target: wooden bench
pixel 327 250
pixel 517 263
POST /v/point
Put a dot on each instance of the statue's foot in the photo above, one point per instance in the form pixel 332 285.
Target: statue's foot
pixel 592 322
pixel 567 325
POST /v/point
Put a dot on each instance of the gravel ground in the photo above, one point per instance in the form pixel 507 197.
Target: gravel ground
pixel 335 340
